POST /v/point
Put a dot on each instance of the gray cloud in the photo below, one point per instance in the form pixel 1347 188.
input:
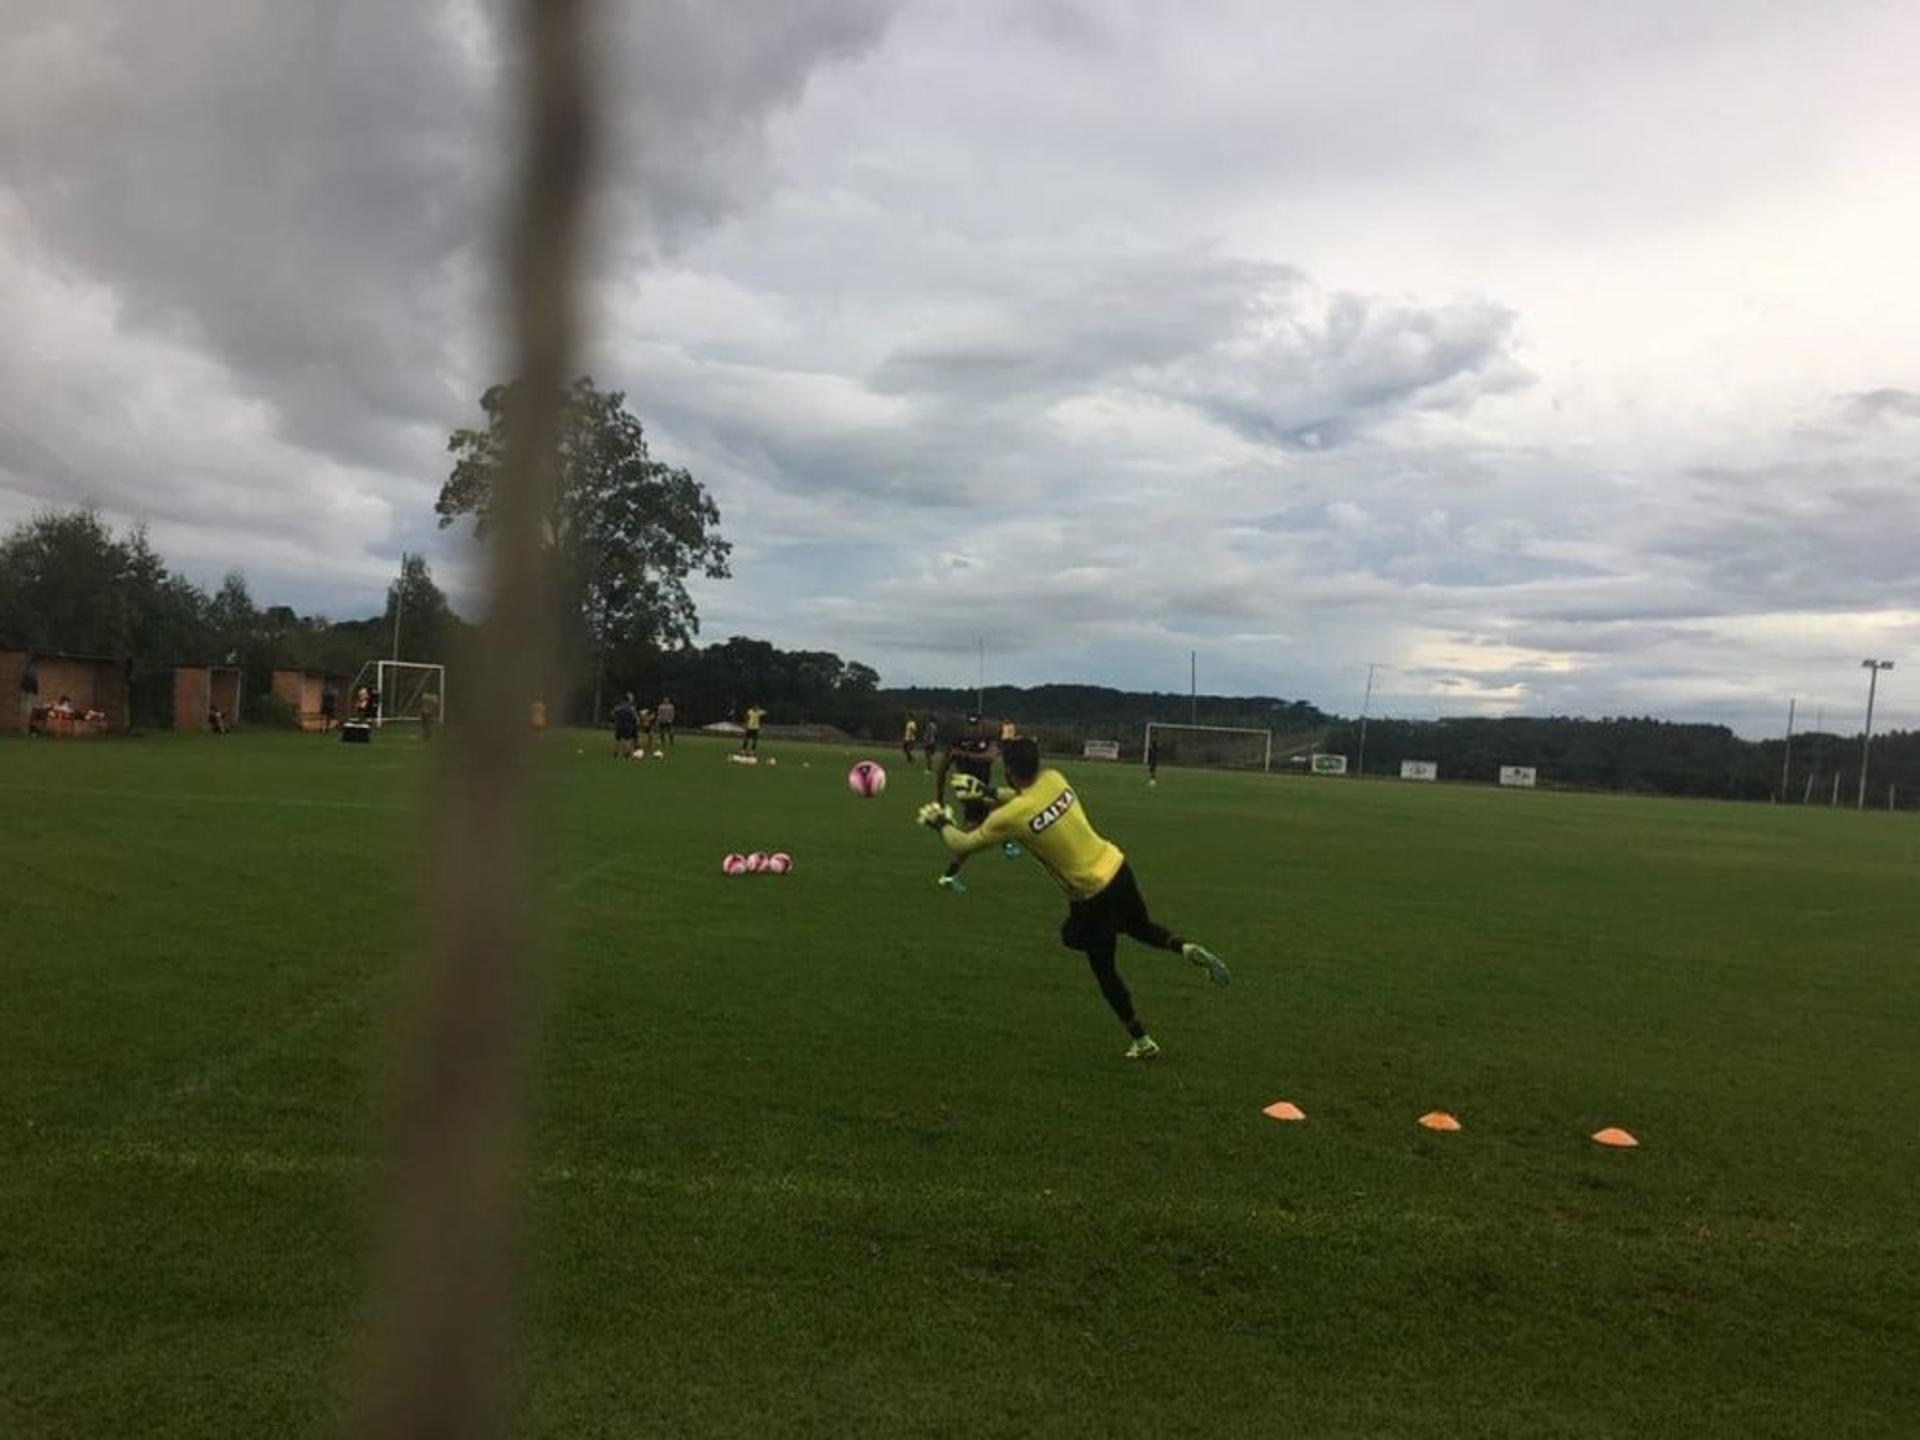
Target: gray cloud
pixel 1876 407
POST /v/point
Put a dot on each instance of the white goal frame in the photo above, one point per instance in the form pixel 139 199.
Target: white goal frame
pixel 403 680
pixel 1266 756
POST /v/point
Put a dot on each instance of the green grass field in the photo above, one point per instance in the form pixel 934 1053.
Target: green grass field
pixel 839 1154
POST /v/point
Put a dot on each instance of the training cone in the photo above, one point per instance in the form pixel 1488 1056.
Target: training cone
pixel 1284 1110
pixel 1439 1120
pixel 1613 1135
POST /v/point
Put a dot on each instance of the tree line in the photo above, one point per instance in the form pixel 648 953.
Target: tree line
pixel 1641 754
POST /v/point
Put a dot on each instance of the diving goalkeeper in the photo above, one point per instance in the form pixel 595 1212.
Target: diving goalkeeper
pixel 1104 902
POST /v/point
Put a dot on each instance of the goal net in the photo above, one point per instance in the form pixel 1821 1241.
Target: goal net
pixel 401 691
pixel 1219 747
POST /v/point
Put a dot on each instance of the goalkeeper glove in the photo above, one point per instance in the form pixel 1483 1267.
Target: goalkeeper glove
pixel 935 816
pixel 968 787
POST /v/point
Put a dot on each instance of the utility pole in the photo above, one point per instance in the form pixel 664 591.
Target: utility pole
pixel 980 691
pixel 1873 669
pixel 399 606
pixel 1365 705
pixel 1193 687
pixel 1786 754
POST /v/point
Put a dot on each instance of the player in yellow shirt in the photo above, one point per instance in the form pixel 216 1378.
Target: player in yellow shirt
pixel 750 737
pixel 1041 810
pixel 911 734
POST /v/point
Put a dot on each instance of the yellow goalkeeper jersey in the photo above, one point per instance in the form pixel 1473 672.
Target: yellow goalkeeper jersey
pixel 1049 820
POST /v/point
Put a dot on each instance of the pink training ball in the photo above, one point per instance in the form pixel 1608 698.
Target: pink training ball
pixel 734 865
pixel 779 863
pixel 866 779
pixel 756 862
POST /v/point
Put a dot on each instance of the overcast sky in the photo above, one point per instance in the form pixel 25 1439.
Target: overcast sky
pixel 1563 358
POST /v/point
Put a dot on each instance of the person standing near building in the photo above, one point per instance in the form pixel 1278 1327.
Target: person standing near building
pixel 29 691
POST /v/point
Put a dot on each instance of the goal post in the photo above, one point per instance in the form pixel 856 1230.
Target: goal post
pixel 1222 747
pixel 403 691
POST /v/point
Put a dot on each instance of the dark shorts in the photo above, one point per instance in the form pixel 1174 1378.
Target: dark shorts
pixel 973 813
pixel 1097 923
pixel 626 732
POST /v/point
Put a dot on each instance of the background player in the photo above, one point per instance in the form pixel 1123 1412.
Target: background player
pixel 971 754
pixel 626 727
pixel 1153 760
pixel 1103 898
pixel 908 735
pixel 929 740
pixel 750 740
pixel 663 718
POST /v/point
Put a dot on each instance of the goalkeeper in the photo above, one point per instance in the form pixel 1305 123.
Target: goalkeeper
pixel 1103 899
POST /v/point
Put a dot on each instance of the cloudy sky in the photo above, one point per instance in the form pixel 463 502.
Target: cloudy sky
pixel 1562 358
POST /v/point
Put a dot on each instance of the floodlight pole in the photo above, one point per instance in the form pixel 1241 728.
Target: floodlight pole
pixel 1193 687
pixel 980 693
pixel 1873 669
pixel 1360 768
pixel 1786 755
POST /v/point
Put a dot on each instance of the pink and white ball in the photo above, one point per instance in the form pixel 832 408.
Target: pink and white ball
pixel 779 863
pixel 866 779
pixel 756 862
pixel 734 865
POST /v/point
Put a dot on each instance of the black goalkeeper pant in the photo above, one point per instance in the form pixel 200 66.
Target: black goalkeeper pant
pixel 1095 926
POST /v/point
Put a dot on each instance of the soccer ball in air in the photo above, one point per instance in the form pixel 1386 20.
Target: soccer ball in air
pixel 756 862
pixel 779 863
pixel 866 779
pixel 734 865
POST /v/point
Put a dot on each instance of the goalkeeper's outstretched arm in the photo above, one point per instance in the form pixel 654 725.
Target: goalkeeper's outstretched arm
pixel 939 819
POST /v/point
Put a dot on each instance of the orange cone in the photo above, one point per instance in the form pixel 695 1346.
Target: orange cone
pixel 1613 1135
pixel 1439 1120
pixel 1285 1110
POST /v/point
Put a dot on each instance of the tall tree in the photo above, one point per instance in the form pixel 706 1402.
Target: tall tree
pixel 626 530
pixel 418 619
pixel 61 584
pixel 234 622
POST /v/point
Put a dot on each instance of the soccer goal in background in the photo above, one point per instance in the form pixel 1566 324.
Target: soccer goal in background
pixel 405 690
pixel 1219 747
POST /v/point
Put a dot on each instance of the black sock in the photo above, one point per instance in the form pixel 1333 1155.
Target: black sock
pixel 1137 1028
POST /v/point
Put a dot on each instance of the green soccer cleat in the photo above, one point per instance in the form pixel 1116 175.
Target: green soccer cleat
pixel 953 884
pixel 1143 1049
pixel 1215 967
pixel 1011 850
